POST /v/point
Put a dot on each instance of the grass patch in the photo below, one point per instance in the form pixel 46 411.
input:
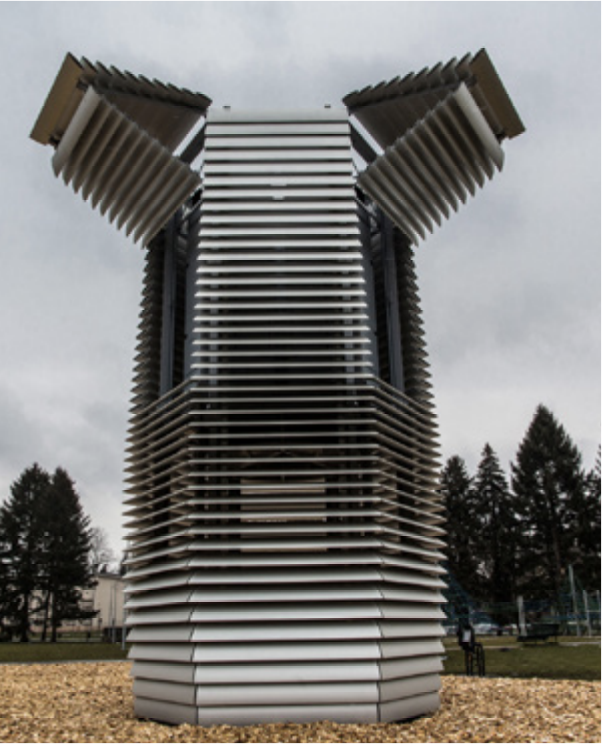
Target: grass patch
pixel 545 661
pixel 450 642
pixel 47 652
pixel 504 657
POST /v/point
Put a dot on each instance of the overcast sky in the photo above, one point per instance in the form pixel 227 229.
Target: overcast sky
pixel 510 284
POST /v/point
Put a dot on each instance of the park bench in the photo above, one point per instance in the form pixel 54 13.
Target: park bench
pixel 540 632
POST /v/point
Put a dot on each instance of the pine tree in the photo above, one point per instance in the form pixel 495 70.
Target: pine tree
pixel 44 545
pixel 67 541
pixel 548 482
pixel 21 546
pixel 5 588
pixel 461 524
pixel 585 528
pixel 496 534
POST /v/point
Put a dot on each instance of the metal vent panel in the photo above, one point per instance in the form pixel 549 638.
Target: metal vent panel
pixel 121 169
pixel 437 164
pixel 297 491
pixel 388 110
pixel 166 112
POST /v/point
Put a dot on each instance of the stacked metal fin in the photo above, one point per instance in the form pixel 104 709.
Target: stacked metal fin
pixel 285 558
pixel 418 385
pixel 441 130
pixel 115 135
pixel 389 109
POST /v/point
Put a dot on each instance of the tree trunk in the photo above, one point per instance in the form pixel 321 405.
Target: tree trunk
pixel 24 620
pixel 54 620
pixel 46 611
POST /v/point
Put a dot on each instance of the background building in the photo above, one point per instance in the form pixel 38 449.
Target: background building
pixel 105 600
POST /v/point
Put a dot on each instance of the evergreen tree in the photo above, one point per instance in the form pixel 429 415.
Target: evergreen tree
pixel 461 524
pixel 5 587
pixel 586 537
pixel 548 482
pixel 21 546
pixel 44 545
pixel 67 542
pixel 496 533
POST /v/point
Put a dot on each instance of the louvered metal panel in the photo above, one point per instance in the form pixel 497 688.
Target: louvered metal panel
pixel 285 454
pixel 121 169
pixel 286 529
pixel 231 674
pixel 114 135
pixel 454 144
pixel 166 112
pixel 388 110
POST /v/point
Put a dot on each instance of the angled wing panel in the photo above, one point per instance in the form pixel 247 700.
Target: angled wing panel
pixel 115 136
pixel 125 171
pixel 441 160
pixel 388 110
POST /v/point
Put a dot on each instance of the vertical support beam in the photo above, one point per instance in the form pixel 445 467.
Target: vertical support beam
pixel 365 232
pixel 521 616
pixel 587 620
pixel 168 306
pixel 571 578
pixel 395 351
pixel 190 279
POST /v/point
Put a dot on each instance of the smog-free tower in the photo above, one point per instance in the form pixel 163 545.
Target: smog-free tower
pixel 285 525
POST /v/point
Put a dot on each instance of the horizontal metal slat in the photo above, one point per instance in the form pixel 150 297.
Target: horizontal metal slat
pixel 219 182
pixel 288 694
pixel 226 674
pixel 239 129
pixel 271 652
pixel 165 691
pixel 214 168
pixel 248 715
pixel 281 142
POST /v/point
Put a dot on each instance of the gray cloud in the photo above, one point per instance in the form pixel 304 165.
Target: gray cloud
pixel 510 285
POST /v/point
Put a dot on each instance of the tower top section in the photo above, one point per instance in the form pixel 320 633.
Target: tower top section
pixel 436 138
pixel 115 136
pixel 424 141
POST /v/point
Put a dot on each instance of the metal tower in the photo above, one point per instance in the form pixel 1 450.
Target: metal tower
pixel 283 466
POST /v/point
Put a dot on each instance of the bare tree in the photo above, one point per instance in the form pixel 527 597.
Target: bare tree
pixel 100 554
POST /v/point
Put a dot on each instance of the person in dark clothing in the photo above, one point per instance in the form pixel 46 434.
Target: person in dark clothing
pixel 473 652
pixel 465 634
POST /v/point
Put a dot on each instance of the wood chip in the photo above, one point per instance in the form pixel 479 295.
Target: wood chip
pixel 93 703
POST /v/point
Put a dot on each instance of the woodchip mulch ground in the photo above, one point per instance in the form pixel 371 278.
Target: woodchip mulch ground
pixel 93 703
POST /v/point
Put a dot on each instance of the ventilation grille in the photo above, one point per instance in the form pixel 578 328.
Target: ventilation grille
pixel 435 166
pixel 285 569
pixel 114 135
pixel 286 530
pixel 123 171
pixel 165 112
pixel 389 109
